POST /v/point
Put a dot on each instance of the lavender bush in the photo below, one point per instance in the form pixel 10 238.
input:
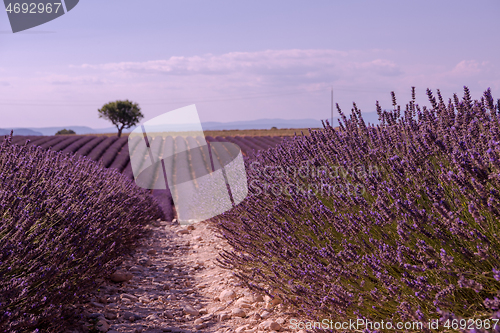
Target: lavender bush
pixel 65 221
pixel 394 222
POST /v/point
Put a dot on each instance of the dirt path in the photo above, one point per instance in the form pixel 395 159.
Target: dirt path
pixel 175 286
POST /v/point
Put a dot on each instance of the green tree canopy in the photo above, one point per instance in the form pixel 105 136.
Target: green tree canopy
pixel 123 114
pixel 65 131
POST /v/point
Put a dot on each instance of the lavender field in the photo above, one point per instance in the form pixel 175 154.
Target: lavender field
pixel 397 222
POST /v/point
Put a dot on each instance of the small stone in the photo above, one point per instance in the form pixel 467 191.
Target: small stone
pixel 200 326
pixel 102 325
pixel 206 317
pixel 190 227
pixel 168 314
pixel 144 261
pixel 224 316
pixel 197 238
pixel 130 316
pixel 151 252
pixel 237 312
pixel 126 301
pixel 144 299
pixel 97 305
pixel 152 317
pixel 241 329
pixel 301 331
pixel 275 301
pixel 95 315
pixel 198 321
pixel 136 269
pixel 110 315
pixel 121 276
pixel 190 310
pixel 270 325
pixel 183 231
pixel 280 321
pixel 227 295
pixel 258 298
pixel 258 305
pixel 129 297
pixel 243 303
pixel 265 314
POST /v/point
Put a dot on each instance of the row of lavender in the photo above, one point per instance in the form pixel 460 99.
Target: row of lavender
pixel 108 149
pixel 393 223
pixel 64 223
pixel 113 152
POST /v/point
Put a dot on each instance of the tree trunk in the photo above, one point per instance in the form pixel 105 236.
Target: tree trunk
pixel 120 131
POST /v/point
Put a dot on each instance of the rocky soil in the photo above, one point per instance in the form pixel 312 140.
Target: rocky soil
pixel 172 284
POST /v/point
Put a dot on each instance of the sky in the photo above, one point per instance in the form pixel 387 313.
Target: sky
pixel 244 60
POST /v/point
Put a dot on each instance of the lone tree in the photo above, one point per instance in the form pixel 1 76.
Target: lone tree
pixel 123 114
pixel 65 131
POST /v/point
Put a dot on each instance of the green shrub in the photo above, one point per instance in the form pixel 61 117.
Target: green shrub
pixel 65 132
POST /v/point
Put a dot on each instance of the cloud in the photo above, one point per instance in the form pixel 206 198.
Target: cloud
pixel 356 75
pixel 382 67
pixel 307 64
pixel 74 80
pixel 469 68
pixel 244 85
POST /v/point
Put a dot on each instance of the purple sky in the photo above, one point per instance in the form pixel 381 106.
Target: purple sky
pixel 244 60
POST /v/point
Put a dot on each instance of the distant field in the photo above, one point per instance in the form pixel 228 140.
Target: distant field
pixel 224 133
pixel 113 152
